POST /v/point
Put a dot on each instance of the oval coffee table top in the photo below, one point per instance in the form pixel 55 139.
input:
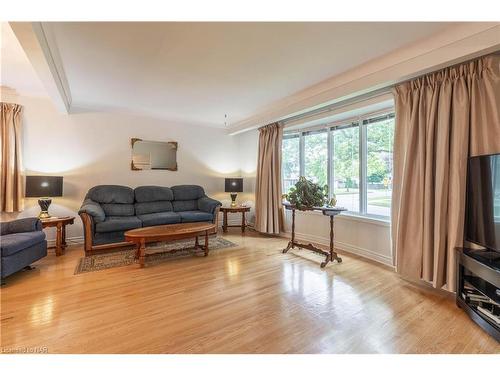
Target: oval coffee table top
pixel 169 230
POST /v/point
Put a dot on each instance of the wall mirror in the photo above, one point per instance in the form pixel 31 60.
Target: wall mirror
pixel 153 155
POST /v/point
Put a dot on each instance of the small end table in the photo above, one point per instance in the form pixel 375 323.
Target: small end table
pixel 241 209
pixel 60 224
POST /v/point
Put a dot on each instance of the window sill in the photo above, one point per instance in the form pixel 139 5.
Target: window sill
pixel 370 219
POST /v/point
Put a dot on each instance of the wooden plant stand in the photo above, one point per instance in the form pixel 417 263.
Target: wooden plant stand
pixel 331 255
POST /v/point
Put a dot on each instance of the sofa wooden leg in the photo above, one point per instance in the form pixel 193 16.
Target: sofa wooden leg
pixel 28 268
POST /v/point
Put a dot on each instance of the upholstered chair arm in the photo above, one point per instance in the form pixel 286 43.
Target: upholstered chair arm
pixel 93 209
pixel 207 204
pixel 29 224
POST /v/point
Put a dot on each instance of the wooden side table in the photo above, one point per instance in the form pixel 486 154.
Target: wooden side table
pixel 60 224
pixel 241 209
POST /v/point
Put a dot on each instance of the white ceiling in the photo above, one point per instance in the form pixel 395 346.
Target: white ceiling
pixel 194 73
pixel 16 71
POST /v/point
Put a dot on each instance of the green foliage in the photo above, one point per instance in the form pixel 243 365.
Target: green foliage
pixel 306 194
pixel 316 157
pixel 345 156
pixel 377 177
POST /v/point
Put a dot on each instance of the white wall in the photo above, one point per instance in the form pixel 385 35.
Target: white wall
pixel 94 148
pixel 362 236
pixel 89 149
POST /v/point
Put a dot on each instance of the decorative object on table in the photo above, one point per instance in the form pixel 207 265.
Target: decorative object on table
pixel 45 188
pixel 110 210
pixel 60 224
pixel 233 186
pixel 22 242
pixel 153 155
pixel 167 233
pixel 333 201
pixel 226 210
pixel 306 194
pixel 331 255
pixel 157 253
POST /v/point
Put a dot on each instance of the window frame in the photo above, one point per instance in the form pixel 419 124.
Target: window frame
pixel 362 122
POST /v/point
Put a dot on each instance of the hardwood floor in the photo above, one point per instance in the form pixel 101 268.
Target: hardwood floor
pixel 249 299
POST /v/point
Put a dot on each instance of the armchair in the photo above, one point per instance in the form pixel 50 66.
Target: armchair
pixel 22 242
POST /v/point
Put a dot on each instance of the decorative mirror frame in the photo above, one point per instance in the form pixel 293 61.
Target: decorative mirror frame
pixel 134 168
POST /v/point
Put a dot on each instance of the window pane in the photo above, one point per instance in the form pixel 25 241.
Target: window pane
pixel 316 157
pixel 290 162
pixel 346 167
pixel 380 138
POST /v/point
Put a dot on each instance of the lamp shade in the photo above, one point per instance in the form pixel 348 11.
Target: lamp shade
pixel 44 186
pixel 234 185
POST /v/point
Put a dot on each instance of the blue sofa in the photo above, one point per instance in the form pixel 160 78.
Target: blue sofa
pixel 108 211
pixel 22 242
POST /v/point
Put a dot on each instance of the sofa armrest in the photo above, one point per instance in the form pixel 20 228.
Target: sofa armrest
pixel 207 204
pixel 93 209
pixel 29 224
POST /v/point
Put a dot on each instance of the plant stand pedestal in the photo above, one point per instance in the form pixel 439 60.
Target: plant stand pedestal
pixel 331 255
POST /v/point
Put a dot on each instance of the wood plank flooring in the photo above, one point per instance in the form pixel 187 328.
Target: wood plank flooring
pixel 248 299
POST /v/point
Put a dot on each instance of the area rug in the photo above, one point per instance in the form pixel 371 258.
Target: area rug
pixel 155 253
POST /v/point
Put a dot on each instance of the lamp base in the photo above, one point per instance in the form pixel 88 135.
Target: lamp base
pixel 233 199
pixel 44 204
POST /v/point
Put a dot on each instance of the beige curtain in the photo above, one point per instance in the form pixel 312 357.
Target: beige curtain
pixel 11 194
pixel 268 208
pixel 441 119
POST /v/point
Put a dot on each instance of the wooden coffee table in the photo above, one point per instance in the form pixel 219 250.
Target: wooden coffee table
pixel 170 232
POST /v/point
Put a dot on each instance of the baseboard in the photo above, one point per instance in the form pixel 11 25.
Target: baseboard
pixel 365 253
pixel 69 241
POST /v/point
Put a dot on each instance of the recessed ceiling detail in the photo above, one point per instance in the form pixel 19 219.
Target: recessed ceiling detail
pixel 195 73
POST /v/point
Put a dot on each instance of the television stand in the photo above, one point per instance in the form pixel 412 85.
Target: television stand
pixel 478 287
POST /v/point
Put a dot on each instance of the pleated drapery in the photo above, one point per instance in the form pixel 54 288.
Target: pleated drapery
pixel 268 207
pixel 441 119
pixel 11 194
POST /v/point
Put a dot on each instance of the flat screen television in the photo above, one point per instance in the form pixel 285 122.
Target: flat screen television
pixel 482 213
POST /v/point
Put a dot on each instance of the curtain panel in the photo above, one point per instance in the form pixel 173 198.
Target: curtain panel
pixel 11 192
pixel 441 119
pixel 268 208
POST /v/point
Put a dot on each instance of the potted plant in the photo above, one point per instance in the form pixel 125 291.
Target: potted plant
pixel 306 194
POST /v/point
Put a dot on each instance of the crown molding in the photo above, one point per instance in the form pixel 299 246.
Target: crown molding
pixel 38 43
pixel 456 44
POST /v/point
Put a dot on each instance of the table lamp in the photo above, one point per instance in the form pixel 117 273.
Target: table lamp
pixel 44 187
pixel 233 186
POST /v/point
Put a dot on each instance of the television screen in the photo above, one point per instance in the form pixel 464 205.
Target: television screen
pixel 482 223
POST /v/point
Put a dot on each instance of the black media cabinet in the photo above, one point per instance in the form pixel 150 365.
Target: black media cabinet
pixel 478 278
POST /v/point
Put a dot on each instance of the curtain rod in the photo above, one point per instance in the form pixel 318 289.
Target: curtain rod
pixel 343 103
pixel 373 94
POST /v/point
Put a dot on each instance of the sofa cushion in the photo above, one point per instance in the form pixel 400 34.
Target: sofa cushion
pixel 193 216
pixel 111 194
pixel 118 209
pixel 118 223
pixel 187 192
pixel 153 193
pixel 185 205
pixel 12 243
pixel 159 218
pixel 152 207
